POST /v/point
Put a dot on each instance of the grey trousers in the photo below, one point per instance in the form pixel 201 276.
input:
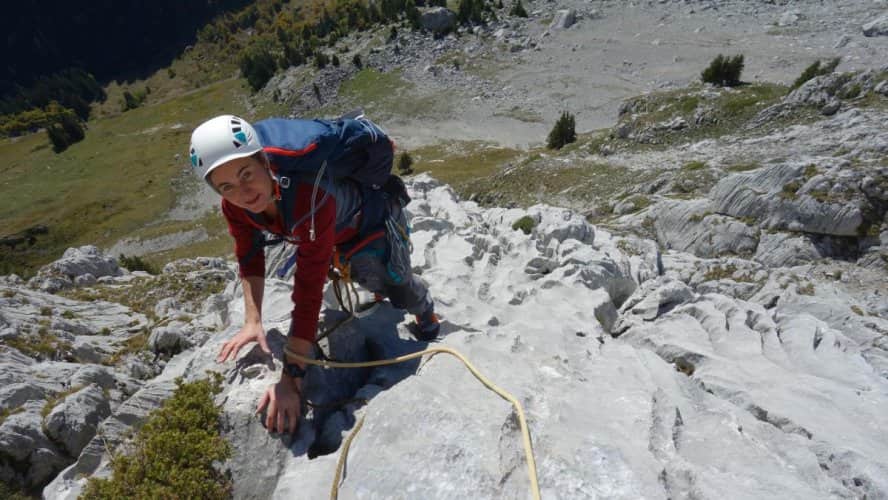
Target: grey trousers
pixel 383 267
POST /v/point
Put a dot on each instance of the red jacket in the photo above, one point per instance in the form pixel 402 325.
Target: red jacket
pixel 312 258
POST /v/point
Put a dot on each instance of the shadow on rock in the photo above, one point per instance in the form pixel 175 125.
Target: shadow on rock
pixel 334 394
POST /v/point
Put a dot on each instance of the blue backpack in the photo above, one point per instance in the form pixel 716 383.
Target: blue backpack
pixel 321 152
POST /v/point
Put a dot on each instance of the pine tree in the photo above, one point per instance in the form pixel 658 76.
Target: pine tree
pixel 518 9
pixel 724 71
pixel 405 164
pixel 564 132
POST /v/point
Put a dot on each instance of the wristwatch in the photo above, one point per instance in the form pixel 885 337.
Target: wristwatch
pixel 293 370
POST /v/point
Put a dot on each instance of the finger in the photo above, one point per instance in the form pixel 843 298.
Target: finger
pixel 269 417
pixel 262 403
pixel 233 354
pixel 280 420
pixel 263 343
pixel 224 352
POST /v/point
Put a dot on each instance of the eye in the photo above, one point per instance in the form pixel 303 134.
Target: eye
pixel 225 188
pixel 247 175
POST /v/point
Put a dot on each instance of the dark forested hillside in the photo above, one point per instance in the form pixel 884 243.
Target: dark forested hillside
pixel 111 39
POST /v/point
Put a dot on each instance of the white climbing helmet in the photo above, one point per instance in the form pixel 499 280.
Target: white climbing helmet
pixel 221 139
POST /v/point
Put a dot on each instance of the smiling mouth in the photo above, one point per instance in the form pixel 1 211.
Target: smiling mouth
pixel 254 200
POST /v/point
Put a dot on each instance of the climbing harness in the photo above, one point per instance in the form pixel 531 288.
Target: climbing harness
pixel 432 351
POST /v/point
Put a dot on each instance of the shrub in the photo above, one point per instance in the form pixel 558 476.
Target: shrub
pixel 470 11
pixel 518 9
pixel 65 131
pixel 257 65
pixel 815 70
pixel 9 492
pixel 724 71
pixel 293 55
pixel 564 132
pixel 405 163
pixel 171 73
pixel 335 61
pixel 524 224
pixel 790 190
pixel 135 263
pixel 174 452
pixel 321 60
pixel 393 34
pixel 356 60
pixel 413 14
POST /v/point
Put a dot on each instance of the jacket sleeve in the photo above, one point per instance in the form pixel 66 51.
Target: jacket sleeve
pixel 244 234
pixel 312 263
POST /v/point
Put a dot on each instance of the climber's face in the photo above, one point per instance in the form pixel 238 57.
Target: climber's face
pixel 246 183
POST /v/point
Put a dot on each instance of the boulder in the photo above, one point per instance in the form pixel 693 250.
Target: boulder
pixel 17 394
pixel 564 19
pixel 437 19
pixel 33 459
pixel 789 18
pixel 690 226
pixel 93 374
pixel 783 197
pixel 81 265
pixel 877 27
pixel 73 421
pixel 785 250
pixel 169 339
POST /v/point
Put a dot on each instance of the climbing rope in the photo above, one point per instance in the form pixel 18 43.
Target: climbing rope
pixel 519 411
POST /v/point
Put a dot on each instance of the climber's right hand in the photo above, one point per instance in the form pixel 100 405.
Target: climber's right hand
pixel 250 332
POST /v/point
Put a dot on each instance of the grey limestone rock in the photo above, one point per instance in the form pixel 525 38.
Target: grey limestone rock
pixel 781 198
pixel 33 458
pixel 877 27
pixel 80 261
pixel 789 18
pixel 170 339
pixel 437 19
pixel 691 226
pixel 14 395
pixel 73 421
pixel 564 19
pixel 785 249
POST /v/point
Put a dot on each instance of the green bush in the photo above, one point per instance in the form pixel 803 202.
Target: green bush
pixel 518 9
pixel 335 61
pixel 413 14
pixel 356 60
pixel 470 11
pixel 65 131
pixel 7 492
pixel 135 263
pixel 321 60
pixel 257 64
pixel 564 132
pixel 175 452
pixel 405 163
pixel 724 71
pixel 815 70
pixel 524 224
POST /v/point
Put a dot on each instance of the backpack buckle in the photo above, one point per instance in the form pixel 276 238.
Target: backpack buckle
pixel 284 182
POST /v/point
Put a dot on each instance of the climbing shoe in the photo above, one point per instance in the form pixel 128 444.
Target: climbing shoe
pixel 427 326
